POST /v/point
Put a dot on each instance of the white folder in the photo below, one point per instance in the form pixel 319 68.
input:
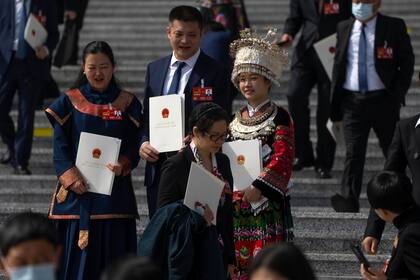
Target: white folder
pixel 336 133
pixel 203 187
pixel 166 119
pixel 93 154
pixel 325 49
pixel 35 33
pixel 245 162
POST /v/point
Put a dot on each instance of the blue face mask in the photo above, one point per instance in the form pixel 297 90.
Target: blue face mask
pixel 362 11
pixel 34 272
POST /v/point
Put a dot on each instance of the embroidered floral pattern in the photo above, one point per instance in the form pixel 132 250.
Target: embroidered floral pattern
pixel 274 222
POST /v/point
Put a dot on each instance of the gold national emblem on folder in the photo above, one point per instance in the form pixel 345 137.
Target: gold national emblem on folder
pixel 240 160
pixel 96 153
pixel 165 113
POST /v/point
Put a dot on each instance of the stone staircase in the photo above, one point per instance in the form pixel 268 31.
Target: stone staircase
pixel 136 32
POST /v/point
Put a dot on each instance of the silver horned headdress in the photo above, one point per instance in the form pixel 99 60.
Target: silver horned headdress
pixel 257 54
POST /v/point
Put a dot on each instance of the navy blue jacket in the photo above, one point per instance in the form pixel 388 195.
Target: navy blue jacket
pixel 47 8
pixel 206 68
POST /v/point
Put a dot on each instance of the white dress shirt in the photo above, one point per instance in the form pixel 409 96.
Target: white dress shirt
pixel 185 73
pixel 252 111
pixel 352 77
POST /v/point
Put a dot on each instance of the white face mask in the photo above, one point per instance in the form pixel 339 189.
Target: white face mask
pixel 33 272
pixel 362 11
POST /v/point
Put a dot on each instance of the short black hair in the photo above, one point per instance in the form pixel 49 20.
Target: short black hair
pixel 285 259
pixel 204 115
pixel 27 226
pixel 132 268
pixel 187 14
pixel 390 191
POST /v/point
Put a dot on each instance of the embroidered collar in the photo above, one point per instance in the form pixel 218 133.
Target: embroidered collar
pixel 198 159
pixel 256 119
pixel 252 111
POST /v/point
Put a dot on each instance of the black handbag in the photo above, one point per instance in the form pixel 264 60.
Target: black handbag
pixel 66 44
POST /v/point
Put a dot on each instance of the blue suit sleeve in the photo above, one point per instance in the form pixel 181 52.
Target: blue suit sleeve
pixel 147 90
pixel 132 134
pixel 223 89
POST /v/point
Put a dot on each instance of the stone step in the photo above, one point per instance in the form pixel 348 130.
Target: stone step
pixel 338 241
pixel 338 264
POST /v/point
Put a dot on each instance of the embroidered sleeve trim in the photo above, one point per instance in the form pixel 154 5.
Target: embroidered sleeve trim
pixel 274 181
pixel 69 177
pixel 61 121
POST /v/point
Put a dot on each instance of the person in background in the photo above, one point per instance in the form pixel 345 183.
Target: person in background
pixel 30 248
pixel 186 69
pixel 22 69
pixel 215 43
pixel 373 69
pixel 257 66
pixel 132 268
pixel 75 10
pixel 317 19
pixel 209 253
pixel 389 194
pixel 284 261
pixel 94 229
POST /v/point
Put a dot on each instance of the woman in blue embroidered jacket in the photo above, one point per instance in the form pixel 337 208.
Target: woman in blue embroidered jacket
pixel 94 229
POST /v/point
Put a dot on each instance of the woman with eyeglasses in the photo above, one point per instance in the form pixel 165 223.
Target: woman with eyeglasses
pixel 208 125
pixel 257 66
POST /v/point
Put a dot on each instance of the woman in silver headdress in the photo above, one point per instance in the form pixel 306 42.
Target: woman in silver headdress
pixel 258 65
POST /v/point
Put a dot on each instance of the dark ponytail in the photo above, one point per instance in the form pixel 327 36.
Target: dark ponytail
pixel 94 47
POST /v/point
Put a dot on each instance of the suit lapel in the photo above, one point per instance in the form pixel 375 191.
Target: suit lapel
pixel 163 74
pixel 195 76
pixel 347 34
pixel 380 30
pixel 27 4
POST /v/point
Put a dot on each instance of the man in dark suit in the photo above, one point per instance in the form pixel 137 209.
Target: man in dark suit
pixel 22 69
pixel 389 194
pixel 373 68
pixel 317 19
pixel 179 73
pixel 404 151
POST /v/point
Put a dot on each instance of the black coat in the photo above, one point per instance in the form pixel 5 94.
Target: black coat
pixel 395 73
pixel 404 151
pixel 304 14
pixel 172 188
pixel 405 259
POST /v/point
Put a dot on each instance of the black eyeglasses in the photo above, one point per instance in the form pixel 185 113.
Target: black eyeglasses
pixel 216 138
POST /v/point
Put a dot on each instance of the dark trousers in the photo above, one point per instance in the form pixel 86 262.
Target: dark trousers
pixel 305 75
pixel 18 78
pixel 360 115
pixel 151 181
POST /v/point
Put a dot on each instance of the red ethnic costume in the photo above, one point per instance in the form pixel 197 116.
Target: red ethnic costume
pixel 271 221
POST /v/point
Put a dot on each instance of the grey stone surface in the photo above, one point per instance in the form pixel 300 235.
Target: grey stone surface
pixel 135 30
